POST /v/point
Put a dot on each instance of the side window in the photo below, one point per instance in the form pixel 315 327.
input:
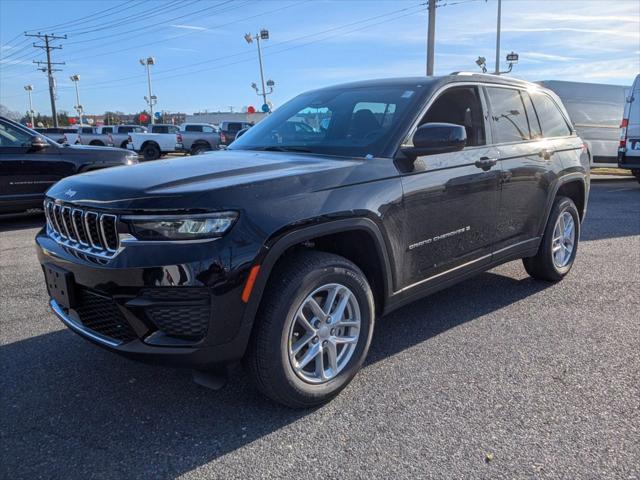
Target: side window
pixel 193 128
pixel 125 129
pixel 460 106
pixel 172 129
pixel 107 129
pixel 508 115
pixel 551 120
pixel 234 126
pixel 13 137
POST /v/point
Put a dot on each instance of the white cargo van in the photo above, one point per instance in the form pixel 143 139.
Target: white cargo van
pixel 629 148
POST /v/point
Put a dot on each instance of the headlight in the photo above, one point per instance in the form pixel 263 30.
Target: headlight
pixel 185 227
pixel 131 158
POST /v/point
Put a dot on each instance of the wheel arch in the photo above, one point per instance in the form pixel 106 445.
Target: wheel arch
pixel 573 186
pixel 325 237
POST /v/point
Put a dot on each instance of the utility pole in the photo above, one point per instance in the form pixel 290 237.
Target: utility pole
pixel 29 89
pixel 431 37
pixel 497 72
pixel 47 47
pixel 151 99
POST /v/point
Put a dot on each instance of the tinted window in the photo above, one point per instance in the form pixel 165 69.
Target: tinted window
pixel 126 129
pixel 193 128
pixel 551 120
pixel 460 106
pixel 234 126
pixel 508 115
pixel 107 129
pixel 207 129
pixel 532 116
pixel 86 130
pixel 348 121
pixel 13 137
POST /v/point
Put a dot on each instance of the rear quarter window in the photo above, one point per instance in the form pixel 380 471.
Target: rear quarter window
pixel 551 119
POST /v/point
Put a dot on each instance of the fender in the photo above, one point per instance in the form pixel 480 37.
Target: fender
pixel 570 177
pixel 272 252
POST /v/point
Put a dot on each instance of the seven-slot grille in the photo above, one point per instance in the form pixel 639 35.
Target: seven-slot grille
pixel 82 229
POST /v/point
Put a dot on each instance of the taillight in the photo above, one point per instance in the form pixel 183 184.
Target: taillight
pixel 223 138
pixel 623 133
pixel 179 137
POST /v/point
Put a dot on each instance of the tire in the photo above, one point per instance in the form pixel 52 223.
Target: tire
pixel 294 280
pixel 151 152
pixel 124 144
pixel 96 143
pixel 200 148
pixel 545 265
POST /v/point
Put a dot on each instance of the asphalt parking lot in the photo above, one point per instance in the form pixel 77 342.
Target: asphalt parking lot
pixel 498 377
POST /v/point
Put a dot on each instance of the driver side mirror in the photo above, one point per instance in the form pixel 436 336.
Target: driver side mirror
pixel 37 143
pixel 432 138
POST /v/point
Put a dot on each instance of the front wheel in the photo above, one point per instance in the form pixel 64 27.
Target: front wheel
pixel 313 329
pixel 559 245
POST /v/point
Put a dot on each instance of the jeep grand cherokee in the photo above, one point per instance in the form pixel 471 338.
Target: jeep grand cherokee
pixel 343 205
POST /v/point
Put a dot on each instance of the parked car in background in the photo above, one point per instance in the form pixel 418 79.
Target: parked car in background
pixel 158 140
pixel 31 162
pixel 110 135
pixel 57 134
pixel 231 129
pixel 200 137
pixel 343 205
pixel 595 110
pixel 629 148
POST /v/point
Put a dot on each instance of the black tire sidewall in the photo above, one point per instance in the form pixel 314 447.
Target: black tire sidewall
pixel 563 204
pixel 305 393
pixel 151 152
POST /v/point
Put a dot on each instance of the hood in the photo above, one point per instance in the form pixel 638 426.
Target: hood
pixel 222 179
pixel 88 149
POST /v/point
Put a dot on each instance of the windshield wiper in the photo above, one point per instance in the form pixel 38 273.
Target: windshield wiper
pixel 284 148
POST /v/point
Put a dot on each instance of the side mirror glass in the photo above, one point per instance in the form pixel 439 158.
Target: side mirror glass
pixel 432 138
pixel 37 143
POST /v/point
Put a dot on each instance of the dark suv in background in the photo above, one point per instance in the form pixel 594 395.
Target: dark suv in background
pixel 343 205
pixel 30 163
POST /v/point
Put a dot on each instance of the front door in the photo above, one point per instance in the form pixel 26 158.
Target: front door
pixel 26 173
pixel 451 199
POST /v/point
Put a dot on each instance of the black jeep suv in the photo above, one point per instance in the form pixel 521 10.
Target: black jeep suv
pixel 343 205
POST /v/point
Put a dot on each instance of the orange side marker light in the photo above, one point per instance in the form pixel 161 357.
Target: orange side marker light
pixel 251 280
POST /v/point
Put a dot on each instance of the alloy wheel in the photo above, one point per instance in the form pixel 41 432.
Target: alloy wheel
pixel 564 236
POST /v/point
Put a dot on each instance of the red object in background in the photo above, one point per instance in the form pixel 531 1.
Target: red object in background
pixel 29 125
pixel 72 121
pixel 144 117
pixel 251 109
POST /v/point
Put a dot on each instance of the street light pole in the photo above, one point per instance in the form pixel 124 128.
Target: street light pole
pixel 151 99
pixel 262 35
pixel 75 79
pixel 497 72
pixel 29 89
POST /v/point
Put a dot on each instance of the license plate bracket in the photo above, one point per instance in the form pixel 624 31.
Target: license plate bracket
pixel 61 285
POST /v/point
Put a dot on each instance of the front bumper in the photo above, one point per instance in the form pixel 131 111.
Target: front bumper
pixel 183 314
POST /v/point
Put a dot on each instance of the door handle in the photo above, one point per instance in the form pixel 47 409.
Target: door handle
pixel 546 154
pixel 485 163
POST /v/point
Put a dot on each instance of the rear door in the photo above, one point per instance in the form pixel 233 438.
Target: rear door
pixel 529 167
pixel 451 200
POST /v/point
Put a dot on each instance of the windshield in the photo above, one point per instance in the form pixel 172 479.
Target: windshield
pixel 353 122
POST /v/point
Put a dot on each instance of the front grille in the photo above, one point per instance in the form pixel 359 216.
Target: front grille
pixel 85 230
pixel 102 315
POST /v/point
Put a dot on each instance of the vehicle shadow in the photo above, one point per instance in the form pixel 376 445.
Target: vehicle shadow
pixel 21 221
pixel 84 412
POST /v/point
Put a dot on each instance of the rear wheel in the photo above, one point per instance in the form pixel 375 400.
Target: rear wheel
pixel 636 173
pixel 96 143
pixel 559 245
pixel 200 148
pixel 151 152
pixel 313 329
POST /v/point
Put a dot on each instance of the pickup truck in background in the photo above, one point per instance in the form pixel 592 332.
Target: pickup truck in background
pixel 157 141
pixel 198 138
pixel 230 129
pixel 110 135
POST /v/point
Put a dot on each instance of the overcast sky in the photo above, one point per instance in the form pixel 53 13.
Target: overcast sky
pixel 203 61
